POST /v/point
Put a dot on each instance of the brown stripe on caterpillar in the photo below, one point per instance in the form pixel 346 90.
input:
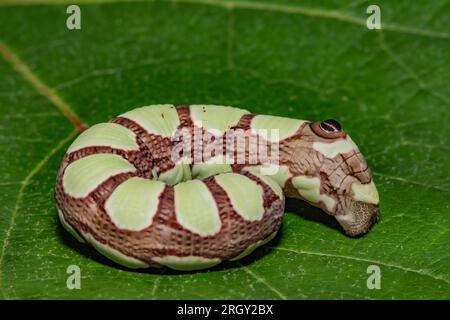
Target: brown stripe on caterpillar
pixel 158 148
pixel 175 240
pixel 245 121
pixel 184 115
pixel 244 232
pixel 98 224
pixel 139 244
pixel 140 159
pixel 269 193
pixel 81 208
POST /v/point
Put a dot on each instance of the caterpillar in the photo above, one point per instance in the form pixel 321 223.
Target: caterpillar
pixel 131 189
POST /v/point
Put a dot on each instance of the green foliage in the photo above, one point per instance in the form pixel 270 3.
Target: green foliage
pixel 306 60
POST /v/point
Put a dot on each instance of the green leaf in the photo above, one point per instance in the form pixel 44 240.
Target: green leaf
pixel 306 60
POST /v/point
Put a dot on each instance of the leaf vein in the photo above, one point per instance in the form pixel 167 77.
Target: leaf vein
pixel 401 179
pixel 23 184
pixel 389 265
pixel 411 74
pixel 263 281
pixel 40 86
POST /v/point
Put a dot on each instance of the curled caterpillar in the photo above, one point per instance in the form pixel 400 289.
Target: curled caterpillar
pixel 132 189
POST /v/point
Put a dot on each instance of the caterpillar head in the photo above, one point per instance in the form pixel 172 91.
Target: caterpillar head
pixel 336 177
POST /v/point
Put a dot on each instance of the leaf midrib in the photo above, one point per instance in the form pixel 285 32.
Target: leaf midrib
pixel 23 184
pixel 39 85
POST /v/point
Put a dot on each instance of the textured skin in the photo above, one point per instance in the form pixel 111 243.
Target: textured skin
pixel 327 171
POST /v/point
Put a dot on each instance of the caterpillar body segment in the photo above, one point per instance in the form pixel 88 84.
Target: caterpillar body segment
pixel 122 188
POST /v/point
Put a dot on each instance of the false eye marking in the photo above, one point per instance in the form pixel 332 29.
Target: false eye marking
pixel 365 192
pixel 328 129
pixel 332 149
pixel 196 209
pixel 245 195
pixel 115 255
pixel 286 127
pixel 134 203
pixel 108 135
pixel 159 119
pixel 309 188
pixel 84 175
pixel 218 118
pixel 187 263
pixel 330 125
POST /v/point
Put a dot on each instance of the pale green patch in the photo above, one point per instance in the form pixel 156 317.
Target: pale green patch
pixel 263 124
pixel 347 218
pixel 213 166
pixel 85 174
pixel 106 135
pixel 253 246
pixel 309 189
pixel 186 263
pixel 180 172
pixel 196 208
pixel 245 195
pixel 133 204
pixel 365 192
pixel 68 227
pixel 115 255
pixel 332 149
pixel 160 119
pixel 272 184
pixel 216 118
pixel 281 175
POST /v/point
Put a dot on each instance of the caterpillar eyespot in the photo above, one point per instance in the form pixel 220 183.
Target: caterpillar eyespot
pixel 131 189
pixel 330 125
pixel 328 129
